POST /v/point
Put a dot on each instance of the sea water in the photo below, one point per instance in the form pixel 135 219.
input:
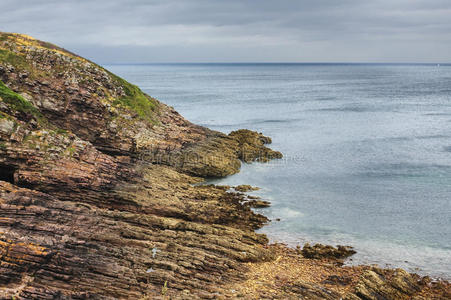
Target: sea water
pixel 367 149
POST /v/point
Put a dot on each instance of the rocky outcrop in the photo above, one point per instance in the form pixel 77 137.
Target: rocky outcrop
pixel 292 276
pixel 245 188
pixel 94 198
pixel 252 146
pixel 379 283
pixel 100 194
pixel 116 117
pixel 258 203
pixel 319 251
pixel 49 247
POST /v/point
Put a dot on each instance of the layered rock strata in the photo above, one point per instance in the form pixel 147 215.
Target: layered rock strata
pixel 100 194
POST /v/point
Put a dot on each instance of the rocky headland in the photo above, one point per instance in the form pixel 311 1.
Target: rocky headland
pixel 100 198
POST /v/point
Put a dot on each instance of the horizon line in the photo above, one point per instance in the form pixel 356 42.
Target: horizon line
pixel 277 63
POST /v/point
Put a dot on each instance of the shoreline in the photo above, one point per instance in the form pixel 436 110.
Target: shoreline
pixel 98 198
pixel 366 261
pixel 346 263
pixel 370 257
pixel 329 279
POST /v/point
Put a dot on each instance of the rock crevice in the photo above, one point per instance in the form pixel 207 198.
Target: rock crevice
pixel 100 195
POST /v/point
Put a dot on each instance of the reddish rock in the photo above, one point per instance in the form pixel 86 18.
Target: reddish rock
pixel 98 198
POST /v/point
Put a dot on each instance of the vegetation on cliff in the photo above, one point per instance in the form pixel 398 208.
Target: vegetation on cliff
pixel 10 57
pixel 18 104
pixel 100 199
pixel 22 52
pixel 91 212
pixel 144 105
pixel 79 96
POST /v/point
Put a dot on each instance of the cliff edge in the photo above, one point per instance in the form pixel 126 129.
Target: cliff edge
pixel 98 195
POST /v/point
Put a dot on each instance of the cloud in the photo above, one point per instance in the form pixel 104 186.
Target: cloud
pixel 232 30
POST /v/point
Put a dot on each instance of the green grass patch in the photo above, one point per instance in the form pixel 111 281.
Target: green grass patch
pixel 20 63
pixel 61 131
pixel 4 36
pixel 136 100
pixel 14 59
pixel 17 103
pixel 71 150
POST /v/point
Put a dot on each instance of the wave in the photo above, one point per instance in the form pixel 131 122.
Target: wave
pixel 326 98
pixel 405 170
pixel 215 124
pixel 437 114
pixel 356 108
pixel 435 136
pixel 422 259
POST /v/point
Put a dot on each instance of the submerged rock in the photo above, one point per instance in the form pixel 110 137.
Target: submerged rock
pixel 95 200
pixel 245 188
pixel 258 203
pixel 98 198
pixel 319 251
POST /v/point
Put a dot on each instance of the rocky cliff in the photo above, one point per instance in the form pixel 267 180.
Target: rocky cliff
pixel 99 196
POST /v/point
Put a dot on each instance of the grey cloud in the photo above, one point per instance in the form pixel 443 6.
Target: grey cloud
pixel 232 30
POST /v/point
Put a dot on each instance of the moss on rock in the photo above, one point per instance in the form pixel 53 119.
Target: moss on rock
pixel 12 58
pixel 134 99
pixel 18 103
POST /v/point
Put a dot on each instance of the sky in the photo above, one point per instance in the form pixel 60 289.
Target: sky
pixel 147 31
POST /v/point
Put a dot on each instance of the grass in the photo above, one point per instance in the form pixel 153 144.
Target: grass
pixel 4 115
pixel 135 100
pixel 17 103
pixel 25 40
pixel 164 289
pixel 60 131
pixel 19 62
pixel 13 59
pixel 70 151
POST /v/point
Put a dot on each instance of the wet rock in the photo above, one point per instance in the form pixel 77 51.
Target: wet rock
pixel 258 203
pixel 86 214
pixel 98 201
pixel 245 188
pixel 115 116
pixel 319 251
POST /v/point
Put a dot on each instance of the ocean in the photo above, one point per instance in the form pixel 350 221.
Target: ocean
pixel 367 149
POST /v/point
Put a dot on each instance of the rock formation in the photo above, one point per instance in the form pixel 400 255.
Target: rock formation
pixel 319 251
pixel 99 193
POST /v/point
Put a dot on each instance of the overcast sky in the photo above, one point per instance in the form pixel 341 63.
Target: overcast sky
pixel 239 31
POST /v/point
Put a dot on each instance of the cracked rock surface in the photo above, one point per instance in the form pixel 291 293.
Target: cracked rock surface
pixel 100 196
